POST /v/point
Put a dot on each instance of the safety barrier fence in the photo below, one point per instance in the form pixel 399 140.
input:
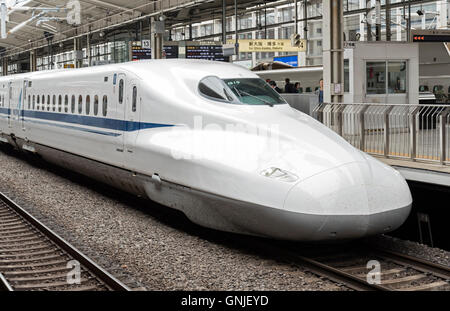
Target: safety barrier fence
pixel 414 132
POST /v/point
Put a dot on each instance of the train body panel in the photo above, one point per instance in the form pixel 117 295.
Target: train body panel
pixel 259 169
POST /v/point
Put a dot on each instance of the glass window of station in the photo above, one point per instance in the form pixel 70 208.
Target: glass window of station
pixel 386 77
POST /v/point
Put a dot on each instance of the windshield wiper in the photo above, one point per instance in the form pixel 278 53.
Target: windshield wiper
pixel 248 94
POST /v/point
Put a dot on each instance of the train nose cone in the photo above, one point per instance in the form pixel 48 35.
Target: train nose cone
pixel 350 201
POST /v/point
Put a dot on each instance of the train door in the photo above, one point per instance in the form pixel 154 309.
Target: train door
pixel 10 90
pixel 132 115
pixel 15 106
pixel 121 107
pixel 23 103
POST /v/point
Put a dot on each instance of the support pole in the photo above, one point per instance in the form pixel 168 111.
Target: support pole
pixel 190 31
pixel 333 52
pixel 157 39
pixel 408 37
pixel 4 66
pixel 88 50
pixel 236 29
pixel 32 60
pixel 378 20
pixel 369 27
pixel 388 20
pixel 296 16
pixel 305 25
pixel 78 53
pixel 224 22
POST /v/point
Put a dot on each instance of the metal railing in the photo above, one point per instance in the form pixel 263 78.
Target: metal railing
pixel 414 132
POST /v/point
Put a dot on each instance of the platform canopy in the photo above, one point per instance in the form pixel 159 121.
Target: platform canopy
pixel 30 22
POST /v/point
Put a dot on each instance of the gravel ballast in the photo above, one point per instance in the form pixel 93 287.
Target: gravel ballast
pixel 151 247
pixel 145 245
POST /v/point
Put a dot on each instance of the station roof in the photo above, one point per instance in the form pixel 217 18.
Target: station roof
pixel 29 20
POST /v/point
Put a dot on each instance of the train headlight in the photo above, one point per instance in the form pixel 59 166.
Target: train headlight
pixel 279 174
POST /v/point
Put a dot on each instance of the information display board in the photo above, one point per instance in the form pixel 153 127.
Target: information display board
pixel 207 52
pixel 430 35
pixel 139 53
pixel 431 38
pixel 171 51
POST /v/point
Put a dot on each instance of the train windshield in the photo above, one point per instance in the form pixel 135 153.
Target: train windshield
pixel 254 92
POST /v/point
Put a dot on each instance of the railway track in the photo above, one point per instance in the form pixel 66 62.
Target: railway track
pixel 372 268
pixel 33 257
pixel 350 265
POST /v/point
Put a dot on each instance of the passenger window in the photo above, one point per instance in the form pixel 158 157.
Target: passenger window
pixel 120 91
pixel 43 102
pixel 66 104
pixel 29 101
pixel 105 105
pixel 133 107
pixel 33 102
pixel 59 103
pixel 48 102
pixel 88 104
pixel 38 106
pixel 72 104
pixel 80 104
pixel 54 103
pixel 95 105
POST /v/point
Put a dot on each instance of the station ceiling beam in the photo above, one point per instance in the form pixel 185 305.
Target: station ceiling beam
pixel 204 10
pixel 107 5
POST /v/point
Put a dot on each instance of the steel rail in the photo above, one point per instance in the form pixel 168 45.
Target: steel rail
pixel 320 269
pixel 4 285
pixel 415 263
pixel 104 276
pixel 341 276
pixel 357 283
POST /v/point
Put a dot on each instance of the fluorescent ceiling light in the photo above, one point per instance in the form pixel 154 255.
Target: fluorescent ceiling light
pixel 18 6
pixel 52 28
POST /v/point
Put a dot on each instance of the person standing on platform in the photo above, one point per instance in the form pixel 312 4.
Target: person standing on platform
pixel 273 84
pixel 289 87
pixel 320 91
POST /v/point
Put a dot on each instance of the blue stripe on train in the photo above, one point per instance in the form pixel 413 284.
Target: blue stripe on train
pixel 77 128
pixel 104 123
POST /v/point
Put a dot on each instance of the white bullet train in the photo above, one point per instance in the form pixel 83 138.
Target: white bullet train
pixel 210 139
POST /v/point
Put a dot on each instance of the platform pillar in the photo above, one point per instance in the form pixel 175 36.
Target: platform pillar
pixel 333 52
pixel 157 40
pixel 33 66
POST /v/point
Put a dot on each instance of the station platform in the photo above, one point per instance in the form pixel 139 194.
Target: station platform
pixel 421 172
